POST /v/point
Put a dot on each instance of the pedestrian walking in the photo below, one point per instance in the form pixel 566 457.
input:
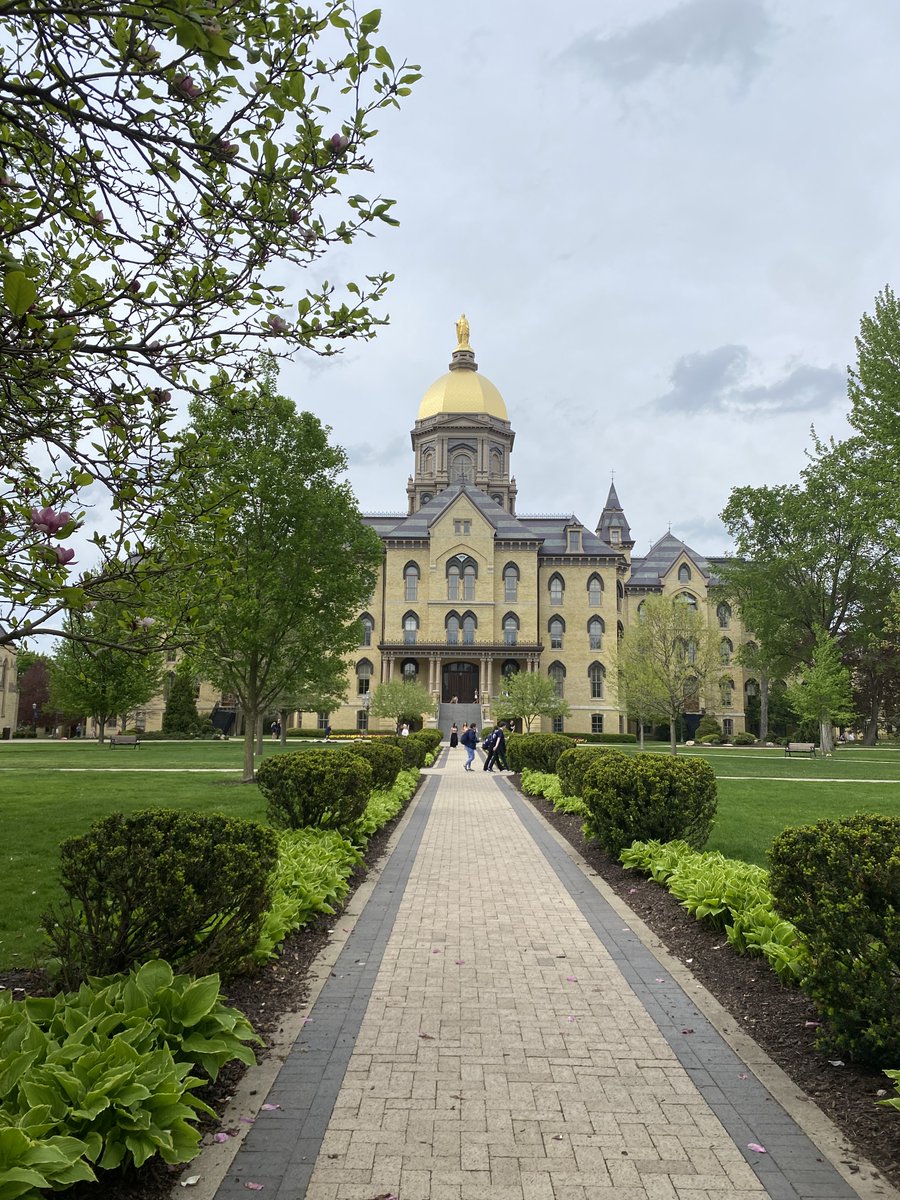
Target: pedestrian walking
pixel 469 739
pixel 497 756
pixel 454 736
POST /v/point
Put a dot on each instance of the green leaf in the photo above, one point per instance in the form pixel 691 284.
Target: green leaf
pixel 19 292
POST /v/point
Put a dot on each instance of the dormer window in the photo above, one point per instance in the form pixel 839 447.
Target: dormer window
pixel 684 573
pixel 574 541
pixel 615 535
pixel 462 528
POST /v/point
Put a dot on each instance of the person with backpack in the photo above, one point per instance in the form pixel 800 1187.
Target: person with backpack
pixel 469 739
pixel 496 750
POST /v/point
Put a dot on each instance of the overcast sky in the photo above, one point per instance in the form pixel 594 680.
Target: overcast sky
pixel 663 221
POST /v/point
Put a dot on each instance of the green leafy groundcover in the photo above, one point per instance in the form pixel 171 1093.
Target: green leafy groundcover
pixel 542 783
pixel 103 1076
pixel 315 865
pixel 731 894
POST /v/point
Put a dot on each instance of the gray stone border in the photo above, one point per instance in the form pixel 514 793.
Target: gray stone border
pixel 280 1150
pixel 792 1168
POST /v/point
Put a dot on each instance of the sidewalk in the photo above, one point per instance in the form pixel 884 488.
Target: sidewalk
pixel 494 1029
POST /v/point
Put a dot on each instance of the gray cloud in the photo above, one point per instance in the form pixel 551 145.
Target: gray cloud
pixel 364 454
pixel 721 381
pixel 699 34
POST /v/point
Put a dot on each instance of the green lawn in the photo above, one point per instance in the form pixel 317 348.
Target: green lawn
pixel 52 790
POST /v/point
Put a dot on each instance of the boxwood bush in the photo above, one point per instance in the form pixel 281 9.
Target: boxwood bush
pixel 839 883
pixel 649 797
pixel 744 739
pixel 431 737
pixel 412 746
pixel 188 887
pixel 327 788
pixel 386 762
pixel 573 764
pixel 536 751
pixel 609 738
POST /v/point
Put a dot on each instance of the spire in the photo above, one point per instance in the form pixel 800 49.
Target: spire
pixel 612 527
pixel 463 357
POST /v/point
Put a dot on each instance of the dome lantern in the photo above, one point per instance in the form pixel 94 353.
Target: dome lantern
pixel 463 389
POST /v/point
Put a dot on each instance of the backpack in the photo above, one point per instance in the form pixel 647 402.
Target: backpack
pixel 488 744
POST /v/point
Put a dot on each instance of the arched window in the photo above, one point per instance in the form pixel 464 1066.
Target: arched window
pixel 363 676
pixel 557 673
pixel 684 573
pixel 511 583
pixel 428 462
pixel 411 581
pixel 689 600
pixel 496 462
pixel 723 612
pixel 640 610
pixel 453 574
pixel 368 626
pixel 468 582
pixel 726 687
pixel 557 588
pixel 620 630
pixel 597 677
pixel 452 624
pixel 469 624
pixel 510 667
pixel 751 688
pixel 410 670
pixel 410 629
pixel 751 647
pixel 461 468
pixel 595 591
pixel 557 627
pixel 726 650
pixel 620 596
pixel 596 630
pixel 510 629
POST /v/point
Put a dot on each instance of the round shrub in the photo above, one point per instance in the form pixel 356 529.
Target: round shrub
pixel 386 762
pixel 744 739
pixel 839 883
pixel 536 751
pixel 573 764
pixel 431 737
pixel 189 887
pixel 325 788
pixel 707 725
pixel 711 739
pixel 651 797
pixel 413 748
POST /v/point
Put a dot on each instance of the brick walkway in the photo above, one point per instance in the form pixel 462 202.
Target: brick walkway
pixel 492 1029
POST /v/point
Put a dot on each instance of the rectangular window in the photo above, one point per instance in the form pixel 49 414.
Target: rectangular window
pixel 596 722
pixel 615 536
pixel 469 587
pixel 362 721
pixel 728 726
pixel 621 724
pixel 462 527
pixel 556 641
pixel 574 541
pixel 596 640
pixel 322 721
pixel 511 592
pixel 557 724
pixel 362 685
pixel 409 637
pixel 452 587
pixel 412 588
pixel 510 636
pixel 596 687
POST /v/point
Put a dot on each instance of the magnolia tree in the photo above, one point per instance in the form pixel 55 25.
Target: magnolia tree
pixel 160 168
pixel 401 700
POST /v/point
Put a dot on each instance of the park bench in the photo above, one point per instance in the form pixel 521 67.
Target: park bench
pixel 124 739
pixel 800 748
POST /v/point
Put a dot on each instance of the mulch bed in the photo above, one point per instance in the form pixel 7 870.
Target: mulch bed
pixel 775 1016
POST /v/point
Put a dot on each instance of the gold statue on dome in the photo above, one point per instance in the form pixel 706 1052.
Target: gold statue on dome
pixel 462 334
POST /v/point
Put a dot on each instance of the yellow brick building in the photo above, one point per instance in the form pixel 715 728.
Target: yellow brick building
pixel 470 590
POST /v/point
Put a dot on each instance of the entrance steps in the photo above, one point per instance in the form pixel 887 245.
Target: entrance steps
pixel 462 714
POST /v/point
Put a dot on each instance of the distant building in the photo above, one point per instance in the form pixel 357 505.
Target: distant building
pixel 9 691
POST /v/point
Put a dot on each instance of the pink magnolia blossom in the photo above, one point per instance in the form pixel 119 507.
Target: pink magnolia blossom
pixel 339 142
pixel 277 324
pixel 63 555
pixel 45 520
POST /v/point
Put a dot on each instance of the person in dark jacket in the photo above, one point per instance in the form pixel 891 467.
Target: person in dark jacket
pixel 454 736
pixel 497 751
pixel 469 739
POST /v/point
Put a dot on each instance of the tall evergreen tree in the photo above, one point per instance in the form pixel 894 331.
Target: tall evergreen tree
pixel 180 714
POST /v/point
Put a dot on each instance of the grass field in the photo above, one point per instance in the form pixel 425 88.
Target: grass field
pixel 52 790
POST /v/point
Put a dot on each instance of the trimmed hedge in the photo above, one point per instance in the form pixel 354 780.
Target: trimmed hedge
pixel 839 883
pixel 743 739
pixel 188 887
pixel 573 765
pixel 325 788
pixel 649 797
pixel 609 738
pixel 431 737
pixel 386 762
pixel 536 751
pixel 412 747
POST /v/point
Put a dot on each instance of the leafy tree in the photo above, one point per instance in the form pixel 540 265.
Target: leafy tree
pixel 674 653
pixel 639 693
pixel 98 679
pixel 275 606
pixel 401 700
pixel 161 168
pixel 33 682
pixel 822 692
pixel 527 695
pixel 180 714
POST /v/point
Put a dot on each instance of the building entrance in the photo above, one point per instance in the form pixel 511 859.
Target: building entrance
pixel 459 680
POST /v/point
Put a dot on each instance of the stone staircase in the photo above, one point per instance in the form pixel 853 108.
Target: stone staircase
pixel 462 714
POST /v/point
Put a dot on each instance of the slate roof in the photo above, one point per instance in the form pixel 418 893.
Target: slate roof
pixel 613 517
pixel 649 571
pixel 550 532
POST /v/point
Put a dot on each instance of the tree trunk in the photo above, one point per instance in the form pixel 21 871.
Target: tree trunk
pixel 250 721
pixel 641 734
pixel 826 735
pixel 872 726
pixel 259 736
pixel 282 721
pixel 763 706
pixel 102 726
pixel 673 741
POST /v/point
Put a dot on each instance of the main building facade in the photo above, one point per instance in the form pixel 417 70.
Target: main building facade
pixel 471 591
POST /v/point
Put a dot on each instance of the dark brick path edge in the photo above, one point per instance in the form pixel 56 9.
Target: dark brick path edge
pixel 281 1149
pixel 792 1167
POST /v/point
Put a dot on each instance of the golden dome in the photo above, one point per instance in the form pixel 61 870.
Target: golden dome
pixel 462 391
